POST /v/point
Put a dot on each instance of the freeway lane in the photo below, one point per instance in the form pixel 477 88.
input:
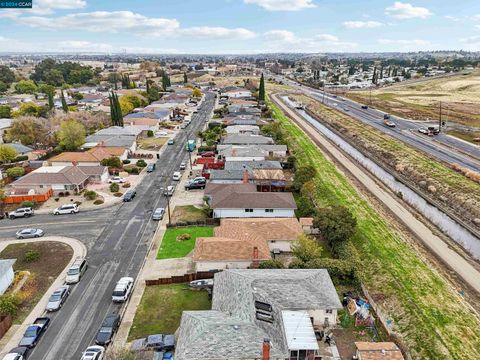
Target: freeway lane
pixel 442 147
pixel 118 250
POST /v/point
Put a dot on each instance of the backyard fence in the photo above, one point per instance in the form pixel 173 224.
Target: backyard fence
pixel 5 323
pixel 182 278
pixel 205 222
pixel 18 199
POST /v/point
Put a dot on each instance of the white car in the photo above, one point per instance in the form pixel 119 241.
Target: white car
pixel 66 209
pixel 162 133
pixel 116 179
pixel 183 166
pixel 94 352
pixel 122 290
pixel 177 175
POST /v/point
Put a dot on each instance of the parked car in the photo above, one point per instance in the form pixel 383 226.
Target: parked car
pixel 169 190
pixel 158 342
pixel 18 353
pixel 364 107
pixel 183 166
pixel 107 330
pixel 58 298
pixel 197 183
pixel 129 195
pixel 177 175
pixel 116 179
pixel 423 131
pixel 21 212
pixel 158 214
pixel 162 133
pixel 171 142
pixel 122 290
pixel 208 154
pixel 66 209
pixel 346 109
pixel 29 233
pixel 76 271
pixel 386 116
pixel 94 352
pixel 151 167
pixel 34 332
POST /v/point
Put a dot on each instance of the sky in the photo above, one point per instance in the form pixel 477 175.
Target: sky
pixel 240 26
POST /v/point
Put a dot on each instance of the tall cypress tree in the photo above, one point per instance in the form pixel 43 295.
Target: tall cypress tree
pixel 164 82
pixel 261 90
pixel 64 103
pixel 185 78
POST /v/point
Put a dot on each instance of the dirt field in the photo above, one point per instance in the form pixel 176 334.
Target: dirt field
pixel 460 97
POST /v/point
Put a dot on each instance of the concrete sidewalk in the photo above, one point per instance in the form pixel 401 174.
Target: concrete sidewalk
pixel 15 333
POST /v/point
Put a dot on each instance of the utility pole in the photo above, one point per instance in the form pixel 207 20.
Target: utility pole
pixel 440 119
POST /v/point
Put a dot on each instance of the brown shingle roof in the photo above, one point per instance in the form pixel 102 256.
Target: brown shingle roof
pixel 69 175
pixel 227 249
pixel 265 228
pixel 269 174
pixel 379 351
pixel 93 155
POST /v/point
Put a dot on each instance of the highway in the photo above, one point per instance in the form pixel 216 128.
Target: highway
pixel 117 239
pixel 443 147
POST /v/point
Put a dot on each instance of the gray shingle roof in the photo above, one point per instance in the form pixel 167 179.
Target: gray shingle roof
pixel 247 139
pixel 112 140
pixel 227 174
pixel 252 165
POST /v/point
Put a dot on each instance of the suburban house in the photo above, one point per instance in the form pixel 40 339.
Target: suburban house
pixel 250 306
pixel 252 165
pixel 128 142
pixel 22 150
pixel 243 201
pixel 226 176
pixel 242 129
pixel 270 179
pixel 4 125
pixel 59 179
pixel 88 158
pixel 378 351
pixel 245 139
pixel 254 151
pixel 6 274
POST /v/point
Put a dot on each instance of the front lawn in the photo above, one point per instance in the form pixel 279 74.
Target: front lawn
pixel 173 248
pixel 188 213
pixel 161 307
pixel 51 258
pixel 152 143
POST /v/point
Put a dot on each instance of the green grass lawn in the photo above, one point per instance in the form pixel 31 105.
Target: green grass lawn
pixel 160 309
pixel 431 317
pixel 172 248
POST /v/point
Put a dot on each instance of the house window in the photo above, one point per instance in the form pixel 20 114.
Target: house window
pixel 249 210
pixel 329 311
pixel 269 210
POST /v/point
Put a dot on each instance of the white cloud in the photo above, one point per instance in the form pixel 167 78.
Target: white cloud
pixel 218 32
pixel 282 5
pixel 60 4
pixel 471 40
pixel 404 42
pixel 401 10
pixel 475 17
pixel 283 40
pixel 452 18
pixel 362 24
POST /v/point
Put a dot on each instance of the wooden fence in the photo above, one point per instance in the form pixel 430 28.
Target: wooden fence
pixel 182 278
pixel 18 199
pixel 5 323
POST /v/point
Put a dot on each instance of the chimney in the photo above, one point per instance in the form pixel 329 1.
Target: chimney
pixel 74 163
pixel 266 349
pixel 245 176
pixel 255 261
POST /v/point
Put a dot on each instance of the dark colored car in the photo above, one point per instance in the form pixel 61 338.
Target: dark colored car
pixel 34 332
pixel 386 116
pixel 20 351
pixel 107 330
pixel 195 184
pixel 364 107
pixel 129 195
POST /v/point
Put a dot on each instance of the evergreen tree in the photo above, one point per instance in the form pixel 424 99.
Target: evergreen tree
pixel 374 77
pixel 185 78
pixel 64 102
pixel 381 72
pixel 50 101
pixel 261 90
pixel 148 86
pixel 164 81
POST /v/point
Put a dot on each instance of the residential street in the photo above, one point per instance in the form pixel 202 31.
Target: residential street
pixel 117 239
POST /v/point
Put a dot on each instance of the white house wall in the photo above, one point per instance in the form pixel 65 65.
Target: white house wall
pixel 257 213
pixel 214 265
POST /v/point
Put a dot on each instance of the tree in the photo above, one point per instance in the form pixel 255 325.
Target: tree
pixel 7 76
pixel 64 102
pixel 71 135
pixel 336 224
pixel 3 87
pixel 26 87
pixel 5 112
pixel 125 105
pixel 7 153
pixel 185 78
pixel 54 77
pixel 271 264
pixel 15 172
pixel 196 93
pixel 302 175
pixel 115 110
pixel 31 109
pixel 261 90
pixel 48 90
pixel 29 131
pixel 306 249
pixel 8 304
pixel 113 162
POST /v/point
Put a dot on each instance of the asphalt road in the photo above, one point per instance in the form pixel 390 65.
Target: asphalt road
pixel 442 147
pixel 117 239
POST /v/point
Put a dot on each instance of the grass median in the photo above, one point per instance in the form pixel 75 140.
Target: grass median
pixel 433 320
pixel 173 247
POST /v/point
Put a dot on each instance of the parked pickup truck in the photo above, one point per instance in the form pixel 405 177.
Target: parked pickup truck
pixel 34 332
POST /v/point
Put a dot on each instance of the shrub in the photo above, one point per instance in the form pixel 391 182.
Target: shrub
pixel 28 204
pixel 21 158
pixel 113 162
pixel 133 170
pixel 8 304
pixel 183 237
pixel 126 161
pixel 56 199
pixel 15 171
pixel 98 202
pixel 118 194
pixel 114 187
pixel 150 133
pixel 90 195
pixel 271 264
pixel 61 194
pixel 141 163
pixel 67 193
pixel 31 256
pixel 126 185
